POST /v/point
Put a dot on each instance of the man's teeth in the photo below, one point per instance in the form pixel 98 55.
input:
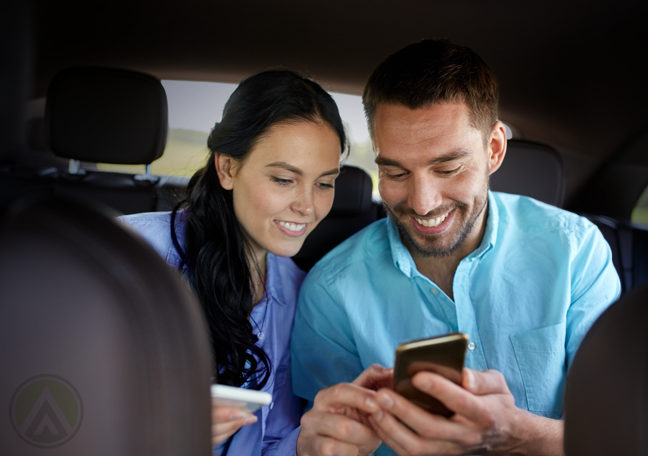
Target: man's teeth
pixel 432 222
pixel 292 226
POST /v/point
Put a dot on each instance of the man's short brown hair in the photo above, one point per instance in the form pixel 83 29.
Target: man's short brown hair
pixel 434 71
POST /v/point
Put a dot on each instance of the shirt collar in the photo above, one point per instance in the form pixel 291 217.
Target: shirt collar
pixel 403 258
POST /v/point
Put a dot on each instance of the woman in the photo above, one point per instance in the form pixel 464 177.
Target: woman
pixel 268 182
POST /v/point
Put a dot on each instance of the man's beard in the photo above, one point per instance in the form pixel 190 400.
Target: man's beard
pixel 429 248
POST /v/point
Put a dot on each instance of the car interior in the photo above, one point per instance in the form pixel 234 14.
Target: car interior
pixel 571 93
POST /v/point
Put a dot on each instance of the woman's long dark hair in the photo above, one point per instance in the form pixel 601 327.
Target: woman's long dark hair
pixel 215 250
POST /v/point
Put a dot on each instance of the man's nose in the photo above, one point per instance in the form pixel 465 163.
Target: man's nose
pixel 424 194
pixel 303 202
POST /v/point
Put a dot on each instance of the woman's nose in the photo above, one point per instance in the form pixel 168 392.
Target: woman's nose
pixel 303 203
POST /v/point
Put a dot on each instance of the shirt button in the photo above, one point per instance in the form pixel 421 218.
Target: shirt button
pixel 435 291
pixel 471 345
pixel 261 336
pixel 271 405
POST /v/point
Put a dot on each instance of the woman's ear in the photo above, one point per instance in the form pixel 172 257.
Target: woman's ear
pixel 224 168
pixel 496 147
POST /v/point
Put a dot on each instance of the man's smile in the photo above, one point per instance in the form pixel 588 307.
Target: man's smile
pixel 432 221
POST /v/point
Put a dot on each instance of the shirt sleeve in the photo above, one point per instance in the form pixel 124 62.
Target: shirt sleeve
pixel 323 349
pixel 595 286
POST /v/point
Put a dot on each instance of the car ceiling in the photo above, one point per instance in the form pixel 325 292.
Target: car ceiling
pixel 571 73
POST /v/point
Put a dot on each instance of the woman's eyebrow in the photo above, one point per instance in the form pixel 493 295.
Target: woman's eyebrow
pixel 298 171
pixel 334 171
pixel 285 165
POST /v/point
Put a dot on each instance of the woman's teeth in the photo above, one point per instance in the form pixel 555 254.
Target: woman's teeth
pixel 292 226
pixel 432 222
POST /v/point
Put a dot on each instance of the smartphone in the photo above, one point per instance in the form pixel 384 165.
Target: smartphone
pixel 230 396
pixel 443 355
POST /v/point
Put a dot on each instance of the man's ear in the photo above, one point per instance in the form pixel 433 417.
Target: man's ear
pixel 225 170
pixel 496 147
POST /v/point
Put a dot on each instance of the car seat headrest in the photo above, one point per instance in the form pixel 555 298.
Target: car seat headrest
pixel 102 344
pixel 531 169
pixel 606 394
pixel 352 192
pixel 106 115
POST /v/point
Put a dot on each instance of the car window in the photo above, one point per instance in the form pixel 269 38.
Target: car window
pixel 194 107
pixel 640 212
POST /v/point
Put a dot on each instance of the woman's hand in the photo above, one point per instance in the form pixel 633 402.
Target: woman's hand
pixel 227 420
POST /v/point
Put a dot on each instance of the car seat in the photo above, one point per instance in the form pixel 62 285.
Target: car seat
pixel 531 169
pixel 606 394
pixel 109 116
pixel 103 349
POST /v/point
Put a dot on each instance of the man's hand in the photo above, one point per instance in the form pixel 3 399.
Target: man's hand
pixel 486 420
pixel 338 422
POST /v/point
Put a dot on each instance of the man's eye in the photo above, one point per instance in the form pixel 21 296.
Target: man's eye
pixel 325 186
pixel 449 172
pixel 281 181
pixel 395 175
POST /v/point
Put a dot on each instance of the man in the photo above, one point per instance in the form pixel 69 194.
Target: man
pixel 523 279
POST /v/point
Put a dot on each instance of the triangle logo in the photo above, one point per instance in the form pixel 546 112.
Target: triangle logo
pixel 46 411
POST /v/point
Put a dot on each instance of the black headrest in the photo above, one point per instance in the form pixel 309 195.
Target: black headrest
pixel 352 191
pixel 16 41
pixel 606 396
pixel 531 169
pixel 106 115
pixel 102 345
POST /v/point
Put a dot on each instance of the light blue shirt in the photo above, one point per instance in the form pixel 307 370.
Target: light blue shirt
pixel 526 297
pixel 277 428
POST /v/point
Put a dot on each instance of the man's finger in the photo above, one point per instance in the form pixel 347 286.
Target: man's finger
pixel 423 423
pixel 339 427
pixel 346 395
pixel 450 394
pixel 375 377
pixel 326 446
pixel 482 383
pixel 403 441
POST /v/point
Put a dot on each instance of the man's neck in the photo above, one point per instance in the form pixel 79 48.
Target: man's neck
pixel 442 270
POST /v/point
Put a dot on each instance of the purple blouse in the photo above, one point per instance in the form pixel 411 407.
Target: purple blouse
pixel 277 428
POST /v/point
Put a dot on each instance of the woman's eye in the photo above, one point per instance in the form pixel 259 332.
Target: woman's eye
pixel 325 186
pixel 281 181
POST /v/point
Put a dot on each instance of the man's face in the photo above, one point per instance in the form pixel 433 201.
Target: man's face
pixel 433 175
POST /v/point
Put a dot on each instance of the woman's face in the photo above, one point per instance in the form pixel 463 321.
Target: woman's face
pixel 284 187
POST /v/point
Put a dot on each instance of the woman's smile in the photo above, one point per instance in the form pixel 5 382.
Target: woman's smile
pixel 291 229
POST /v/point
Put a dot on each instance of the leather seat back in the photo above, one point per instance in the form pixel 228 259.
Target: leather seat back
pixel 531 169
pixel 103 349
pixel 606 395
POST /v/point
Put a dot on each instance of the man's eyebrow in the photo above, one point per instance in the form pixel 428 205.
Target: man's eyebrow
pixel 454 154
pixel 382 161
pixel 298 171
